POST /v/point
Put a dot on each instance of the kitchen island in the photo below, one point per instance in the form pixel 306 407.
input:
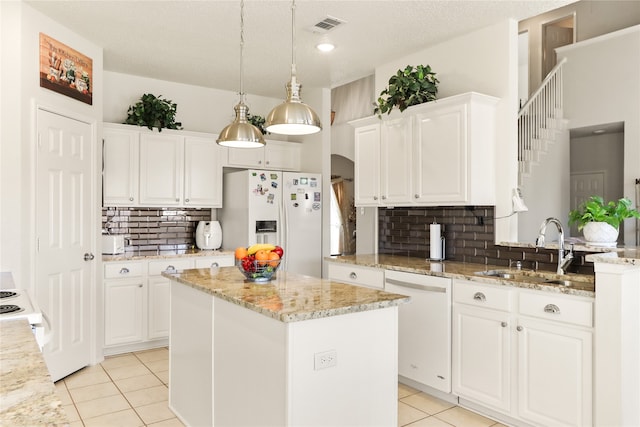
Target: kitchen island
pixel 295 351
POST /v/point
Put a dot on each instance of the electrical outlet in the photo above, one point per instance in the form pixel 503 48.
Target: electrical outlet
pixel 326 359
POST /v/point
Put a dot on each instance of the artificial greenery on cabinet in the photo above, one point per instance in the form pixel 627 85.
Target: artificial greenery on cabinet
pixel 153 111
pixel 411 86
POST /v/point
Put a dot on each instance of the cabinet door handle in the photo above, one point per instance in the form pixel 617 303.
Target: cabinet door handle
pixel 417 286
pixel 503 324
pixel 416 196
pixel 552 308
pixel 267 162
pixel 519 328
pixel 375 197
pixel 177 200
pixel 186 200
pixel 140 285
pixel 259 162
pixel 479 296
pixel 124 270
pixel 131 199
pixel 353 275
pixel 384 197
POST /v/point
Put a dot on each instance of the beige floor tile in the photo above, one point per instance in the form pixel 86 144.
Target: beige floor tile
pixel 119 361
pixel 72 413
pixel 426 403
pixel 128 371
pixel 91 392
pixel 158 365
pixel 138 383
pixel 173 422
pixel 102 406
pixel 461 417
pixel 163 376
pixel 404 390
pixel 76 424
pixel 86 370
pixel 408 414
pixel 126 418
pixel 63 393
pixel 430 422
pixel 147 396
pixel 153 355
pixel 498 425
pixel 155 412
pixel 83 380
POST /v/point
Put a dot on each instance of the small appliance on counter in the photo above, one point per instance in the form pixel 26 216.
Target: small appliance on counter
pixel 208 235
pixel 113 244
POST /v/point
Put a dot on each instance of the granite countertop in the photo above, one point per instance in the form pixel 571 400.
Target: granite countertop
pixel 288 297
pixel 141 255
pixel 583 285
pixel 27 394
pixel 629 255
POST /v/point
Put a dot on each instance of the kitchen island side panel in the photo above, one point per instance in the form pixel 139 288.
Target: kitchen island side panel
pixel 249 366
pixel 362 388
pixel 191 355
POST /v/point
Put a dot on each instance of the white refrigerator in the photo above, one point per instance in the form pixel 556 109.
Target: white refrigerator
pixel 282 208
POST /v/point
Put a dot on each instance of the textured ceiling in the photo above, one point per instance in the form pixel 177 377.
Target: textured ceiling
pixel 197 42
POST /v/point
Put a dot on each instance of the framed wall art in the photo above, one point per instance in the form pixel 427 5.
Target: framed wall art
pixel 65 70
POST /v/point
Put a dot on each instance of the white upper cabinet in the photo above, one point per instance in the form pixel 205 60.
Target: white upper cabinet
pixel 440 152
pixel 120 171
pixel 161 169
pixel 276 155
pixel 168 168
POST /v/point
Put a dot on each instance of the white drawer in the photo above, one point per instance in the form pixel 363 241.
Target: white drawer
pixel 156 267
pixel 560 308
pixel 355 275
pixel 221 261
pixel 482 295
pixel 121 270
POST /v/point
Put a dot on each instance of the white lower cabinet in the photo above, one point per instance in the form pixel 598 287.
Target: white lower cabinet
pixel 356 275
pixel 137 300
pixel 526 354
pixel 424 328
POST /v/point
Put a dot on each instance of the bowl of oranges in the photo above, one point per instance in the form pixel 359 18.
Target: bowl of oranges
pixel 259 263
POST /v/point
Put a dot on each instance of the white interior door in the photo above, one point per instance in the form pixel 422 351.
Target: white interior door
pixel 64 239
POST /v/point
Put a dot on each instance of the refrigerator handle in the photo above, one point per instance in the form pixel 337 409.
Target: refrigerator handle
pixel 284 230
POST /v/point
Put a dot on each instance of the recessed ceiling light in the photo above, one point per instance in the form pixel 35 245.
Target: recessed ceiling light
pixel 325 46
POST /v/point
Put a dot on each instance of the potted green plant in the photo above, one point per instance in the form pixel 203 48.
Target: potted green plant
pixel 153 111
pixel 257 121
pixel 600 221
pixel 411 86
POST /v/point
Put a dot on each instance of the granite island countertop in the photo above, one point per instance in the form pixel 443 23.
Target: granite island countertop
pixel 627 255
pixel 289 297
pixel 141 255
pixel 27 394
pixel 583 285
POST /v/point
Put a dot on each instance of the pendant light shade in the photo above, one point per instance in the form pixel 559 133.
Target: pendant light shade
pixel 240 133
pixel 293 117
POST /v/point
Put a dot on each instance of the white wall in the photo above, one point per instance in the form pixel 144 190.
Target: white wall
pixel 602 85
pixel 484 61
pixel 20 26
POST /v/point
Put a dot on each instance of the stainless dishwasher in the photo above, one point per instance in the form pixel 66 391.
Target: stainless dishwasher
pixel 424 328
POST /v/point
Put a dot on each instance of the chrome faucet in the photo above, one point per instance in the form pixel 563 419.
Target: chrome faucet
pixel 563 259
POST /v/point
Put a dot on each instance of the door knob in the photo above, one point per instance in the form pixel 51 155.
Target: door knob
pixel 88 256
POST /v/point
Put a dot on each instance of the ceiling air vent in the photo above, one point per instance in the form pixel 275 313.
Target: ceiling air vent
pixel 327 24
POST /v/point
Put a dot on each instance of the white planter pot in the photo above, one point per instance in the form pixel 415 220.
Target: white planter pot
pixel 600 234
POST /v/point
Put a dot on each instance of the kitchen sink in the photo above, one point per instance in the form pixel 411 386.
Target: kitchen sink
pixel 559 282
pixel 496 273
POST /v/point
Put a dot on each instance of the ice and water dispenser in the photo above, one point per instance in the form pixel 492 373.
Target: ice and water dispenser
pixel 267 231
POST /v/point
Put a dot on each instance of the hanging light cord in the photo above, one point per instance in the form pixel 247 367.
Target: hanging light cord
pixel 241 51
pixel 293 40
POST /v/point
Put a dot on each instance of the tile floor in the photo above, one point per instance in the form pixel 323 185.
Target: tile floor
pixel 131 390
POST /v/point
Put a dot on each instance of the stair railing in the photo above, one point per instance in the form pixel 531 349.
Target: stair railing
pixel 534 116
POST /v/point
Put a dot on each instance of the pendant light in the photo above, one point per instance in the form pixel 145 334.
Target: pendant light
pixel 240 133
pixel 293 117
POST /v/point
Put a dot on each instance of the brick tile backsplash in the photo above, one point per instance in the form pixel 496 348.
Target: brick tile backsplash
pixel 469 237
pixel 154 229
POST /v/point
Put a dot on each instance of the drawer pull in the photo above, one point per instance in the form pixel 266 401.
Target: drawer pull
pixel 479 296
pixel 124 270
pixel 440 376
pixel 353 275
pixel 503 324
pixel 551 308
pixel 215 265
pixel 170 268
